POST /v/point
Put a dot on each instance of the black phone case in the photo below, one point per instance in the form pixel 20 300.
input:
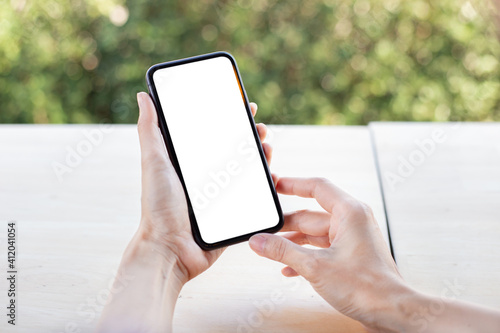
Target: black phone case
pixel 173 156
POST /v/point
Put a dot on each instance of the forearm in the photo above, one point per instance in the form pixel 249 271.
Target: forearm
pixel 146 302
pixel 417 312
pixel 446 315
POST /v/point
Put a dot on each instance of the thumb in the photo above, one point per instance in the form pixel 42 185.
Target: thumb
pixel 148 122
pixel 280 249
pixel 153 149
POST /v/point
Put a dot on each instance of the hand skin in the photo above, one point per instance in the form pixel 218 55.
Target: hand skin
pixel 353 269
pixel 162 255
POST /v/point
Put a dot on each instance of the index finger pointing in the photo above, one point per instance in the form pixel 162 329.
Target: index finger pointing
pixel 321 189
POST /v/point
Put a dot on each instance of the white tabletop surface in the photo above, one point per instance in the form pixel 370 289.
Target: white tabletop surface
pixel 72 230
pixel 441 185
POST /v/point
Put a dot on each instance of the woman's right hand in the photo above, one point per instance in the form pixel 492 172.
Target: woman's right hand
pixel 354 270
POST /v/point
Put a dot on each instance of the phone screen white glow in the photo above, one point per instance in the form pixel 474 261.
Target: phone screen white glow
pixel 217 153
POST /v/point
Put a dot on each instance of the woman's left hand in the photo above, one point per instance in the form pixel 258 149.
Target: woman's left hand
pixel 162 256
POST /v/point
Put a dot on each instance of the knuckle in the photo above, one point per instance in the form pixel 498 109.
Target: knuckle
pixel 368 210
pixel 141 125
pixel 321 180
pixel 313 264
pixel 299 217
pixel 358 210
pixel 364 210
pixel 278 249
pixel 301 214
pixel 355 206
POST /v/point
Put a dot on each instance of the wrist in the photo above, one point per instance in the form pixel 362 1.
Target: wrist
pixel 398 309
pixel 148 253
pixel 147 301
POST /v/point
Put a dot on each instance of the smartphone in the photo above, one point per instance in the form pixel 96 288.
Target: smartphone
pixel 210 135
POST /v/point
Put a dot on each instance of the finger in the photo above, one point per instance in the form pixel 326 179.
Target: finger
pixel 280 249
pixel 268 151
pixel 289 272
pixel 253 108
pixel 308 222
pixel 213 255
pixel 304 239
pixel 262 130
pixel 325 193
pixel 275 178
pixel 151 141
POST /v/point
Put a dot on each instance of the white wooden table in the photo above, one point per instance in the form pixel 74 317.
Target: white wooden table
pixel 72 230
pixel 443 212
pixel 442 191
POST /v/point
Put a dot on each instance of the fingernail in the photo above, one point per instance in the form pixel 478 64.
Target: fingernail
pixel 140 101
pixel 257 243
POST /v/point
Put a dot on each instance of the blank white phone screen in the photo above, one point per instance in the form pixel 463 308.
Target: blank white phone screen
pixel 216 150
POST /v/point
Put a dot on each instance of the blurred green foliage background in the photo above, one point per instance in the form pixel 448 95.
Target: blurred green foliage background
pixel 302 61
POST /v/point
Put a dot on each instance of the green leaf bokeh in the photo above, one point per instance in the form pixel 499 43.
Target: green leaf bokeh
pixel 302 61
